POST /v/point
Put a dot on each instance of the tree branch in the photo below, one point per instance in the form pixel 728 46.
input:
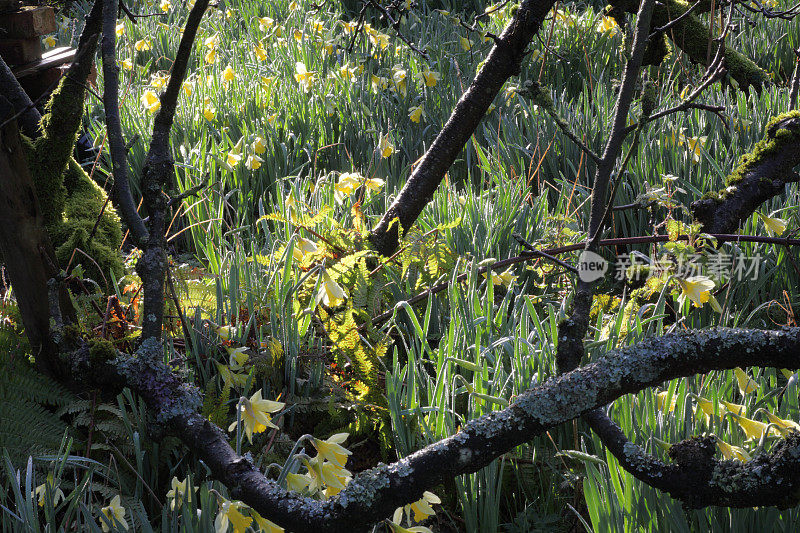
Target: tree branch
pixel 120 189
pixel 503 62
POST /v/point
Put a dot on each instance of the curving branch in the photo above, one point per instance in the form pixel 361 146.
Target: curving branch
pixel 761 174
pixel 503 61
pixel 372 495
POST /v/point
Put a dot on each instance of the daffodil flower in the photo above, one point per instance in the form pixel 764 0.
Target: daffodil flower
pixel 142 45
pixel 158 81
pixel 228 75
pixel 430 77
pixel 151 102
pixel 238 357
pixel 732 452
pixel 330 293
pixel 332 449
pixel 466 44
pixel 298 482
pixel 49 41
pixel 229 514
pixel 378 83
pixel 707 407
pixel 415 114
pixel 399 77
pixel 260 145
pixel 745 382
pixel 303 76
pixel 661 401
pixel 695 145
pixel 40 492
pixel 234 156
pixel 253 162
pixel 302 247
pixel 261 53
pixel 127 64
pixel 177 493
pixel 264 525
pixel 504 278
pixel 114 514
pixel 120 29
pixel 752 428
pixel 697 289
pixel 254 412
pixel 419 510
pixel 734 408
pixel 775 226
pixel 784 426
pixel 165 6
pixel 397 528
pixel 326 474
pixel 230 378
pixel 386 147
pixel 608 26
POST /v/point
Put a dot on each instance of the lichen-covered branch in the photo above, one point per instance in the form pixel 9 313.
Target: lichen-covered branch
pixel 503 61
pixel 159 170
pixel 760 175
pixel 372 495
pixel 698 479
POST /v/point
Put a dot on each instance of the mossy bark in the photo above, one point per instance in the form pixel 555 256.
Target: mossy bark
pixel 761 174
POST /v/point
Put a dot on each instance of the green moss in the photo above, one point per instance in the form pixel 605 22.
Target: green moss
pixel 101 350
pixel 773 142
pixel 70 201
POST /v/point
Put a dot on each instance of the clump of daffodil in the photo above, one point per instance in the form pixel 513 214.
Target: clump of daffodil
pixel 298 482
pixel 400 80
pixel 209 111
pixel 151 102
pixel 177 493
pixel 143 45
pixel 775 226
pixel 113 515
pixel 608 25
pixel 330 293
pixel 260 51
pixel 326 475
pixel 229 514
pixel 211 44
pixel 349 182
pixel 697 289
pixel 752 428
pixel 254 412
pixel 430 77
pixel 234 156
pixel 253 162
pixel 783 426
pixel 504 278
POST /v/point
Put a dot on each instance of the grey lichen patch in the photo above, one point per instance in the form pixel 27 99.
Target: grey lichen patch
pixel 146 372
pixel 365 487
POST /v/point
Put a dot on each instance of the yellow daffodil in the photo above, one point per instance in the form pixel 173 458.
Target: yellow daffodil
pixel 264 525
pixel 504 278
pixel 415 114
pixel 265 23
pixel 302 247
pixel 332 449
pixel 233 159
pixel 114 514
pixel 294 6
pixel 734 408
pixel 272 118
pixel 303 76
pixel 127 64
pixel 209 113
pixel 229 514
pixel 326 474
pixel 347 73
pixel 143 45
pixel 399 78
pixel 564 17
pixel 466 44
pixel 330 293
pixel 378 83
pixel 298 482
pixel 178 492
pixel 775 226
pixel 165 6
pixel 661 400
pixel 158 81
pixel 745 382
pixel 253 162
pixel 211 56
pixel 187 87
pixel 298 35
pixel 151 102
pixel 608 26
pixel 695 145
pixel 120 29
pixel 228 75
pixel 707 407
pixel 732 452
pixel 349 27
pixel 386 147
pixel 697 289
pixel 347 183
pixel 373 184
pixel 267 81
pixel 783 426
pixel 255 413
pixel 430 77
pixel 397 528
pixel 752 428
pixel 260 145
pixel 40 492
pixel 261 53
pixel 419 510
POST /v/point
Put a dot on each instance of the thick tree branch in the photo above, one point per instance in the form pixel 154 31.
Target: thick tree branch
pixel 159 170
pixel 503 62
pixel 120 191
pixel 761 174
pixel 28 116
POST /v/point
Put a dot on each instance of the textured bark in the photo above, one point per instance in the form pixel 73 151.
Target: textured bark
pixel 27 253
pixel 503 62
pixel 761 174
pixel 10 88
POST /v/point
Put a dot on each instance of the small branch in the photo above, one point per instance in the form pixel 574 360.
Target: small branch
pixel 542 254
pixel 120 188
pixel 795 84
pixel 396 25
